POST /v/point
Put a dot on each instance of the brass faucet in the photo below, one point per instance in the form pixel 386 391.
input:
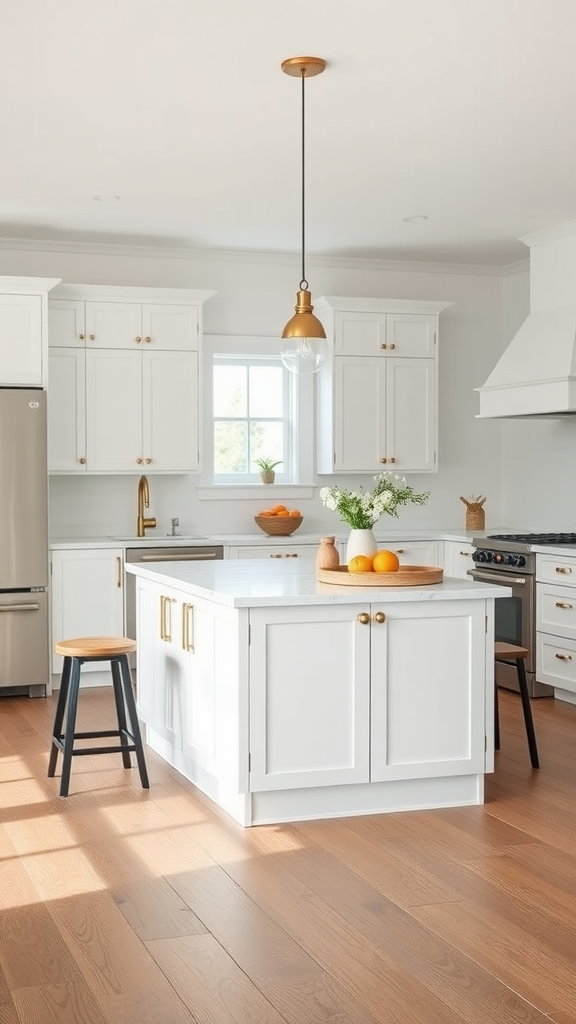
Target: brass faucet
pixel 144 502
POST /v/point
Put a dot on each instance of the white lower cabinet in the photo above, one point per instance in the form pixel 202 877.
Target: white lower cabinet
pixel 556 624
pixel 87 597
pixel 458 558
pixel 413 552
pixel 347 695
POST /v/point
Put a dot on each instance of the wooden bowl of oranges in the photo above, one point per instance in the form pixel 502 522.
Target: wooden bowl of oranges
pixel 279 521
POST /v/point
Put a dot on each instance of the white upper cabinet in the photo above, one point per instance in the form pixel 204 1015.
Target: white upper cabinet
pixel 124 392
pixel 378 393
pixel 23 331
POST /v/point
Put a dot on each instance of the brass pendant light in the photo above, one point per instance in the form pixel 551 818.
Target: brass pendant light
pixel 304 346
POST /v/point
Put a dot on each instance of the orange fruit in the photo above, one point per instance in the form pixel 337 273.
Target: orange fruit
pixel 284 513
pixel 360 563
pixel 385 561
pixel 279 508
pixel 267 512
pixel 295 512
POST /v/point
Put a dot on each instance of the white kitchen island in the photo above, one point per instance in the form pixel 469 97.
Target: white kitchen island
pixel 283 698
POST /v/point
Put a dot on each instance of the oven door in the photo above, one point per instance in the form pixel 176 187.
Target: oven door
pixel 514 623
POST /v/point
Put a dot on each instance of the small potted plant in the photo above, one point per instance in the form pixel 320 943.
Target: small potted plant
pixel 267 467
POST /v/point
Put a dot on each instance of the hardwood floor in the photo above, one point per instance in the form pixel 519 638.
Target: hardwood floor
pixel 120 906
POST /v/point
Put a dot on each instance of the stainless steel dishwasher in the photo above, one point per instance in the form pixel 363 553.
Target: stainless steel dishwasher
pixel 168 553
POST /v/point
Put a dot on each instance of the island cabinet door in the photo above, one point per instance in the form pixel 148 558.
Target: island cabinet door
pixel 309 696
pixel 428 689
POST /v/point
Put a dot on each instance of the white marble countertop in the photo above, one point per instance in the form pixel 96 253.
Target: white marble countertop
pixel 257 583
pixel 554 549
pixel 383 534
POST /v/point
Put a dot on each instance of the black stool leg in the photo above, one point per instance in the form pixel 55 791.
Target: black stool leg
pixel 120 710
pixel 70 726
pixel 496 720
pixel 133 718
pixel 526 708
pixel 59 717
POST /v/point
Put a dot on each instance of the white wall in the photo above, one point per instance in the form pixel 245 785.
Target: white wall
pixel 256 295
pixel 539 455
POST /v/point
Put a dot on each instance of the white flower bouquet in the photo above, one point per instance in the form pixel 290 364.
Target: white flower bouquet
pixel 362 509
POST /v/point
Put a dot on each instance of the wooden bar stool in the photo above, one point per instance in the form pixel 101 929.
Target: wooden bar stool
pixel 75 653
pixel 511 654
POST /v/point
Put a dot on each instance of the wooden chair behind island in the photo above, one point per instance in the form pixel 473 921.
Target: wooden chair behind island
pixel 511 654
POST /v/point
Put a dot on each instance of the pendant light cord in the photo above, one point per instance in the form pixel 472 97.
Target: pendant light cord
pixel 303 282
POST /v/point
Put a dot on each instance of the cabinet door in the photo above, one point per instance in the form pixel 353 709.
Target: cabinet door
pixel 359 414
pixel 285 550
pixel 113 324
pixel 113 411
pixel 359 334
pixel 428 665
pixel 170 327
pixel 87 596
pixel 410 414
pixel 66 323
pixel 309 697
pixel 21 347
pixel 67 410
pixel 411 334
pixel 147 662
pixel 170 411
pixel 413 552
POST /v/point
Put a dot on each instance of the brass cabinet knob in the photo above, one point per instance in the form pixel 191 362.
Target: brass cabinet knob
pixel 391 459
pixel 92 337
pixel 382 346
pixel 383 461
pixel 82 461
pixel 148 340
pixel 147 461
pixel 392 345
pixel 399 551
pixel 364 618
pixel 137 339
pixel 138 462
pixel 81 337
pixel 380 617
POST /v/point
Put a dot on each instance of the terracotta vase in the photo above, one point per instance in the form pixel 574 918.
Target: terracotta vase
pixel 327 556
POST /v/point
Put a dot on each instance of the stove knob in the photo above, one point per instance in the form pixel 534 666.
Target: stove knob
pixel 520 561
pixel 498 558
pixel 479 556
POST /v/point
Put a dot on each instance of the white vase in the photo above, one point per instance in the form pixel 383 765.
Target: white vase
pixel 361 542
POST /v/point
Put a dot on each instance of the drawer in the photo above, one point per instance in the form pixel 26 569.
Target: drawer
pixel 556 569
pixel 413 552
pixel 556 610
pixel 556 661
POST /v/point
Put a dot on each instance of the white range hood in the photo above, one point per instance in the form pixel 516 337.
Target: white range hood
pixel 536 375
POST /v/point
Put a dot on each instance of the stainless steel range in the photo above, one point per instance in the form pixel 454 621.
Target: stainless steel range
pixel 508 558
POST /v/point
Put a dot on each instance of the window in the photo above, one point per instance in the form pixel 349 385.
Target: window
pixel 251 405
pixel 254 408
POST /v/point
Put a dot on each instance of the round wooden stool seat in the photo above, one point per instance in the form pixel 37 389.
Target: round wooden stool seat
pixel 95 646
pixel 502 650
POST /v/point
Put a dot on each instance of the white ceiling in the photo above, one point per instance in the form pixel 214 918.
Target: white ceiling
pixel 462 110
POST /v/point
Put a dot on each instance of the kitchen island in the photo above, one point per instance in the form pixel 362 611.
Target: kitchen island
pixel 283 698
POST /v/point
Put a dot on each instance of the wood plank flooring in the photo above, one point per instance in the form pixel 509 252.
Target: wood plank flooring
pixel 121 906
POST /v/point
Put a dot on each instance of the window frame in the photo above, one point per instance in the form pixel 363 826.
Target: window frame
pixel 301 415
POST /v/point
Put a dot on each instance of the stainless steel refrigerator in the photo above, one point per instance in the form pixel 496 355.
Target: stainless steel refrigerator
pixel 24 645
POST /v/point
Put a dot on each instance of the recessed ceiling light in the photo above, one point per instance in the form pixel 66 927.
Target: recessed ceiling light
pixel 415 219
pixel 106 199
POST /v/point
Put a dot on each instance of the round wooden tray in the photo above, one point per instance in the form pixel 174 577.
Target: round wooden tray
pixel 407 576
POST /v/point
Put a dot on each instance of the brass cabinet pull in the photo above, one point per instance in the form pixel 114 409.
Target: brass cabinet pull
pixel 162 616
pixel 563 568
pixel 380 617
pixel 399 551
pixel 563 657
pixel 119 576
pixel 466 553
pixel 148 340
pixel 563 604
pixel 188 627
pixel 137 339
pixel 92 337
pixel 364 618
pixel 82 461
pixel 391 345
pixel 166 619
pixel 81 337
